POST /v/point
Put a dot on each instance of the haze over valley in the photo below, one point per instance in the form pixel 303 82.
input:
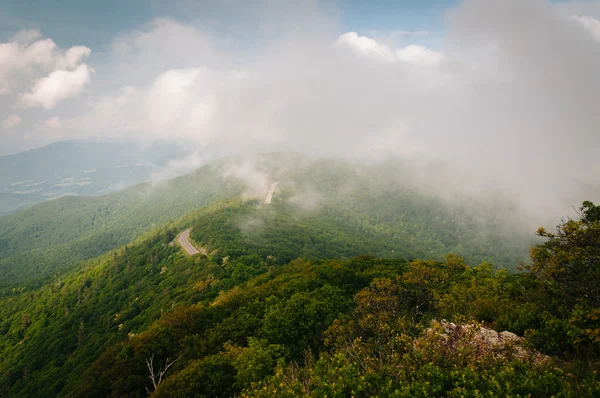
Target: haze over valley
pixel 79 168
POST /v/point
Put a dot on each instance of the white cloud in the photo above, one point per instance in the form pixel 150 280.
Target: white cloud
pixel 59 85
pixel 163 44
pixel 17 58
pixel 178 167
pixel 10 122
pixel 178 104
pixel 15 55
pixel 592 25
pixel 36 72
pixel 180 97
pixel 72 57
pixel 54 122
pixel 29 56
pixel 365 46
pixel 515 89
pixel 419 55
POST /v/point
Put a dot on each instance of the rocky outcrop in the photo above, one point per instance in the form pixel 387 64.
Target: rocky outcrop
pixel 480 341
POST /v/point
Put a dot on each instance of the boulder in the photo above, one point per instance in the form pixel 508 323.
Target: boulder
pixel 482 341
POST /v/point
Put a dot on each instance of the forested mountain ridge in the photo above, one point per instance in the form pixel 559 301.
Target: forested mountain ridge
pixel 91 327
pixel 53 236
pixel 374 201
pixel 241 324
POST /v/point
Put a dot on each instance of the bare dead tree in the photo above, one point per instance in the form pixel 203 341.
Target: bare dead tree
pixel 157 377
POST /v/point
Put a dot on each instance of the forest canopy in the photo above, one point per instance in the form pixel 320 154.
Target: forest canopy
pixel 250 326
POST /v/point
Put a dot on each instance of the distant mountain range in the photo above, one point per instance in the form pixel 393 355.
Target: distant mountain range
pixel 78 168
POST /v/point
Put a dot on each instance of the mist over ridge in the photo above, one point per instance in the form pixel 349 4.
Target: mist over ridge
pixel 504 103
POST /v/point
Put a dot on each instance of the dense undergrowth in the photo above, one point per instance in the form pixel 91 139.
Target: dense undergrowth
pixel 252 323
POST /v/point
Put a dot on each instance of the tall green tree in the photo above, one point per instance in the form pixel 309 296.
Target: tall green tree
pixel 568 267
pixel 569 261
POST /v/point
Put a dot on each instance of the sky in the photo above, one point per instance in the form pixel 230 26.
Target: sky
pixel 99 27
pixel 504 91
pixel 95 23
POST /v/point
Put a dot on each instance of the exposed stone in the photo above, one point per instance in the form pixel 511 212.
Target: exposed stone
pixel 483 340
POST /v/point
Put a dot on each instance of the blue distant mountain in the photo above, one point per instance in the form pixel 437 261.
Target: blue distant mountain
pixel 78 168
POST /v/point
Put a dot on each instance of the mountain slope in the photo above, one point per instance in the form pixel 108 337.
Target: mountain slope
pixel 52 236
pixel 91 332
pixel 359 208
pixel 50 335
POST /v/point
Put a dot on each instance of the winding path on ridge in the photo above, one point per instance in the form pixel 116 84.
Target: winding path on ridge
pixel 184 238
pixel 184 241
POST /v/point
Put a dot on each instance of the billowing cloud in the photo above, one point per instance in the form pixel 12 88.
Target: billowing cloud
pixel 73 57
pixel 419 55
pixel 369 47
pixel 366 46
pixel 28 55
pixel 17 58
pixel 274 101
pixel 510 102
pixel 59 85
pixel 162 44
pixel 10 122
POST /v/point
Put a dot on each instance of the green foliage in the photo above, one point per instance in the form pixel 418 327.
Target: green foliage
pixel 300 320
pixel 331 209
pixel 255 362
pixel 212 376
pixel 331 328
pixel 251 319
pixel 567 265
pixel 381 349
pixel 52 237
pixel 568 261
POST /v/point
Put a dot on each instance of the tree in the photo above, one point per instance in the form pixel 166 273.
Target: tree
pixel 157 377
pixel 568 263
pixel 568 266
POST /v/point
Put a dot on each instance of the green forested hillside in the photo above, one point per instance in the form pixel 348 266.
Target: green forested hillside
pixel 277 278
pixel 53 236
pixel 373 208
pixel 245 326
pixel 335 209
